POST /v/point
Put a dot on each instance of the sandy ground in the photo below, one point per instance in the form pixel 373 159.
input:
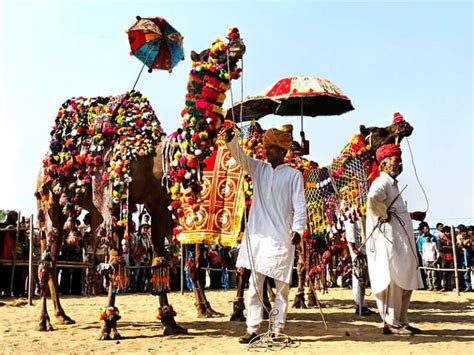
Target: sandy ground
pixel 446 319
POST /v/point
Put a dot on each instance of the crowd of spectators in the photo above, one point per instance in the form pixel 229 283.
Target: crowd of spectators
pixel 435 251
pixel 437 254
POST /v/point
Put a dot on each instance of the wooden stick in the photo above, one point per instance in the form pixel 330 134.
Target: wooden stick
pixel 456 274
pixel 313 289
pixel 30 264
pixel 15 245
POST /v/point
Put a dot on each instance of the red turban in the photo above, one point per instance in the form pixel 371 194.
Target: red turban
pixel 397 117
pixel 279 138
pixel 388 150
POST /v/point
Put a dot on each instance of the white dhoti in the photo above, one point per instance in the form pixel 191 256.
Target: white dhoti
pixel 393 303
pixel 255 307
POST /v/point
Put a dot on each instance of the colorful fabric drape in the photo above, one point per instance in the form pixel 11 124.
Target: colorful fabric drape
pixel 218 220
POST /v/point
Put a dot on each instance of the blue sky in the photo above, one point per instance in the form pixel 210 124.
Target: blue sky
pixel 411 57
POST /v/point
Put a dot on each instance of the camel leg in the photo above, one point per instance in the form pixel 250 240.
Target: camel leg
pixel 239 304
pixel 161 226
pixel 299 297
pixel 193 270
pixel 44 323
pixel 108 330
pixel 266 300
pixel 167 318
pixel 203 307
pixel 209 312
pixel 61 317
pixel 310 295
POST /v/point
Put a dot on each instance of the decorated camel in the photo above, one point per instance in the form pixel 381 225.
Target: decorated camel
pixel 107 155
pixel 346 179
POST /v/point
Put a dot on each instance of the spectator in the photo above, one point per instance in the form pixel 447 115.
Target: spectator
pixel 439 231
pixel 215 262
pixel 465 246
pixel 445 247
pixel 430 256
pixel 140 248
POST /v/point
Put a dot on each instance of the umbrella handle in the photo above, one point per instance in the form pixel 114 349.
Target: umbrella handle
pixel 304 144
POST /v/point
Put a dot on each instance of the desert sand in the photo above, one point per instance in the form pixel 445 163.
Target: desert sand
pixel 447 321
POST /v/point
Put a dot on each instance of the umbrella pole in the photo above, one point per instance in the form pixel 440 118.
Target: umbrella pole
pixel 304 142
pixel 141 70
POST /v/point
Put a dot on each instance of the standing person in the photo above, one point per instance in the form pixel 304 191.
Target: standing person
pixel 465 246
pixel 277 219
pixel 140 246
pixel 424 231
pixel 439 231
pixel 359 266
pixel 430 257
pixel 391 249
pixel 447 259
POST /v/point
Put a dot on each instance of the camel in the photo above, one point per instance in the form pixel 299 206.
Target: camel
pixel 89 167
pixel 313 261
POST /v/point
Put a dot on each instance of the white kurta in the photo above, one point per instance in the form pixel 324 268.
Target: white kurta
pixel 391 250
pixel 278 208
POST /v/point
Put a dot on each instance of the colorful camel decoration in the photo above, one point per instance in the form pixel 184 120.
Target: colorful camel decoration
pixel 191 145
pixel 107 155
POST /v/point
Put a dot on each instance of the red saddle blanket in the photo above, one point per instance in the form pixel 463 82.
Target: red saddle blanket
pixel 218 221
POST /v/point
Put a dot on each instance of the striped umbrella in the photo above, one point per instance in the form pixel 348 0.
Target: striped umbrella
pixel 156 43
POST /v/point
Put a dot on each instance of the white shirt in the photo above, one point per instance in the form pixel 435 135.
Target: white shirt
pixel 391 250
pixel 278 208
pixel 430 252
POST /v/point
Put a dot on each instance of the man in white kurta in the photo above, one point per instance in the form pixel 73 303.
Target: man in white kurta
pixel 278 212
pixel 391 249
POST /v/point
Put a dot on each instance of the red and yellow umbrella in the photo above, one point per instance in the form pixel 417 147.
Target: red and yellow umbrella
pixel 294 96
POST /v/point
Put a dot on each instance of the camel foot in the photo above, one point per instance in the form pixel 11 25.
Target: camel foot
pixel 44 325
pixel 174 329
pixel 201 310
pixel 64 319
pixel 104 336
pixel 312 301
pixel 299 302
pixel 210 313
pixel 237 317
pixel 238 311
pixel 114 334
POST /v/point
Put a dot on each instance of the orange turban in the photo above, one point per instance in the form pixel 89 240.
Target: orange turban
pixel 276 137
pixel 388 150
pixel 287 128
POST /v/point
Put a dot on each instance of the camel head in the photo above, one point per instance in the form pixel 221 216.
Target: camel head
pixel 378 136
pixel 224 55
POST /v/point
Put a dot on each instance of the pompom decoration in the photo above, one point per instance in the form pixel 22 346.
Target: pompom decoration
pixel 110 314
pixel 94 133
pixel 165 312
pixel 203 117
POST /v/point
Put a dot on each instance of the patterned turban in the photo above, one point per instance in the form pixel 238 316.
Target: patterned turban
pixel 388 150
pixel 287 128
pixel 397 117
pixel 276 137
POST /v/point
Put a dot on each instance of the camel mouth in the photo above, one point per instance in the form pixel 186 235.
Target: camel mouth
pixel 235 52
